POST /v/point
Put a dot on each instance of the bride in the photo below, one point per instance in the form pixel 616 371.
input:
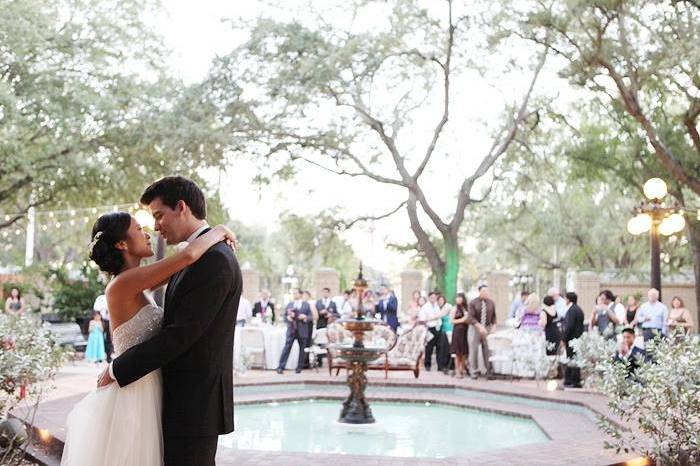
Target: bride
pixel 122 426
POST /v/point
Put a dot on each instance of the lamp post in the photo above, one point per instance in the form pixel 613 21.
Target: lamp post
pixel 658 219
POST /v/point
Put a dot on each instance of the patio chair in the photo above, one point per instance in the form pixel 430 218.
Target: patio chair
pixel 407 352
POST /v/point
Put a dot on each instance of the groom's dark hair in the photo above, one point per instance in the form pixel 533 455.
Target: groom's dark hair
pixel 172 189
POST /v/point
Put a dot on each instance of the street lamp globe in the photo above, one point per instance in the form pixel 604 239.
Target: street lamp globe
pixel 639 224
pixel 655 188
pixel 672 224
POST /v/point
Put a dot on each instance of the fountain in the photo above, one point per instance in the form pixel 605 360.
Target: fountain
pixel 356 409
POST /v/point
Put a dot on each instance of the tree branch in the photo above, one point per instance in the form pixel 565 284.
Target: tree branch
pixel 348 224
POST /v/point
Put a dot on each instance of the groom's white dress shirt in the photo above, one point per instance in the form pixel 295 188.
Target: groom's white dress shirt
pixel 180 246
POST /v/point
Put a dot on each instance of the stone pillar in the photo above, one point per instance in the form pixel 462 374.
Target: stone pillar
pixel 326 277
pixel 587 287
pixel 411 280
pixel 499 291
pixel 251 284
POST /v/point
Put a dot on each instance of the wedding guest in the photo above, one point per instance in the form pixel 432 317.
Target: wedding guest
pixel 628 353
pixel 387 307
pixel 458 345
pixel 14 305
pixel 604 317
pixel 529 314
pixel 573 328
pixel 421 301
pixel 297 315
pixel 369 304
pixel 446 331
pixel 412 312
pixel 100 306
pixel 245 312
pixel 679 317
pixel 346 306
pixel 327 309
pixel 559 302
pixel 652 316
pixel 619 309
pixel 95 351
pixel 264 307
pixel 631 311
pixel 548 322
pixel 431 315
pixel 482 318
pixel 306 296
pixel 517 305
pixel 417 295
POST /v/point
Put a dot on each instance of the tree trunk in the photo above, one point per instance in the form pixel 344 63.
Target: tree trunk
pixel 449 286
pixel 694 234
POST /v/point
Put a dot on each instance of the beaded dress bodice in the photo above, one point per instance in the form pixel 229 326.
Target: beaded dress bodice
pixel 142 326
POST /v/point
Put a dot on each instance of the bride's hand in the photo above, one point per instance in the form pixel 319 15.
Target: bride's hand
pixel 228 236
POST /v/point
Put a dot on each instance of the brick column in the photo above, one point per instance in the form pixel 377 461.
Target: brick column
pixel 587 287
pixel 500 293
pixel 411 280
pixel 251 284
pixel 326 277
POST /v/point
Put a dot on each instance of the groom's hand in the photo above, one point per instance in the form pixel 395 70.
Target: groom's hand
pixel 104 378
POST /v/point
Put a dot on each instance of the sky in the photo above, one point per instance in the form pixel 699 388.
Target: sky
pixel 195 33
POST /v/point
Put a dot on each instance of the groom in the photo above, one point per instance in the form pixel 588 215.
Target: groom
pixel 194 349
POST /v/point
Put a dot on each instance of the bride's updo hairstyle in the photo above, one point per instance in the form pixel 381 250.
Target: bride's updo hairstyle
pixel 108 230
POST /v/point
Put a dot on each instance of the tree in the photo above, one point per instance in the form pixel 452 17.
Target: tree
pixel 313 94
pixel 639 55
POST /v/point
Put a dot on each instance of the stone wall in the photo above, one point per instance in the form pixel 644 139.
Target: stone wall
pixel 499 291
pixel 251 284
pixel 411 280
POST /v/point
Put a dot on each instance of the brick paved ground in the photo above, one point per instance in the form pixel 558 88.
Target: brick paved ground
pixel 569 424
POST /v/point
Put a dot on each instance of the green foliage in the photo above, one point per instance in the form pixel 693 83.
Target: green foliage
pixel 73 298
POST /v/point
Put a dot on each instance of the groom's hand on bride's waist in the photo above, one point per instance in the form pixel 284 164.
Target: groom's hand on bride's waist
pixel 105 377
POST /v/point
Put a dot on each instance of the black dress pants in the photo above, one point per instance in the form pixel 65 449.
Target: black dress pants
pixel 288 348
pixel 190 451
pixel 572 374
pixel 436 343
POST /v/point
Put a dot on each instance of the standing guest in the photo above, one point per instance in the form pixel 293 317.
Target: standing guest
pixel 628 353
pixel 412 312
pixel 100 306
pixel 345 307
pixel 446 332
pixel 604 317
pixel 388 307
pixel 559 302
pixel 431 316
pixel 548 322
pixel 517 305
pixel 573 328
pixel 417 295
pixel 421 301
pixel 327 309
pixel 482 318
pixel 306 296
pixel 679 317
pixel 95 351
pixel 298 314
pixel 15 303
pixel 619 309
pixel 369 303
pixel 458 345
pixel 652 316
pixel 264 307
pixel 631 311
pixel 529 314
pixel 245 312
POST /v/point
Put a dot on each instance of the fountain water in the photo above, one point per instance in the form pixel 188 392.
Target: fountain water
pixel 356 409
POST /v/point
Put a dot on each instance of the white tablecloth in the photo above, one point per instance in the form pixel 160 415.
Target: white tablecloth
pixel 274 337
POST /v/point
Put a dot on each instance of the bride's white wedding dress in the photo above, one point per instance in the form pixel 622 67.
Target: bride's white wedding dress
pixel 120 426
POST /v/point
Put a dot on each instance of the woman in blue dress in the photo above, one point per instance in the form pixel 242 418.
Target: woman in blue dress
pixel 95 351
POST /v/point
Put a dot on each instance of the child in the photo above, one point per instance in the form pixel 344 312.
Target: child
pixel 95 351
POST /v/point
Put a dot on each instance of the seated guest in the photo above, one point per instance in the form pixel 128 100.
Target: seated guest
pixel 264 307
pixel 573 328
pixel 652 316
pixel 628 353
pixel 327 309
pixel 529 317
pixel 548 321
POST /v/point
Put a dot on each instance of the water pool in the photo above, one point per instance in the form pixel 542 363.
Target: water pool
pixel 402 430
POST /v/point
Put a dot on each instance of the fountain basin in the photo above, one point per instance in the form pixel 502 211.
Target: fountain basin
pixel 403 429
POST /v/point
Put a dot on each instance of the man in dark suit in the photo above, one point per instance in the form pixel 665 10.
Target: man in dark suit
pixel 630 354
pixel 327 309
pixel 573 328
pixel 298 315
pixel 264 307
pixel 387 307
pixel 194 349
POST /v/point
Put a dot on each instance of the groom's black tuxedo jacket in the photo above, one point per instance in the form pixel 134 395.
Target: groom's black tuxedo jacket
pixel 195 347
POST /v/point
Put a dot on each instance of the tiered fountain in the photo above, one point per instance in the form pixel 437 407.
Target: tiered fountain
pixel 356 410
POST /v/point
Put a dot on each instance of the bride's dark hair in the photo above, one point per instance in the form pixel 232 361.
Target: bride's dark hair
pixel 107 231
